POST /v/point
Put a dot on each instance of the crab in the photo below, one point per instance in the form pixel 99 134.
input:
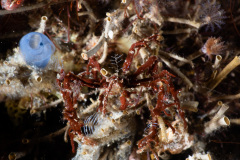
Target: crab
pixel 127 89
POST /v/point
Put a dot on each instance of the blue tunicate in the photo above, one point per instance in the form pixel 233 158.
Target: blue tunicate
pixel 36 49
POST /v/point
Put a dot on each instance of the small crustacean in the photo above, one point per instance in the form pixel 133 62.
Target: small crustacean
pixel 11 4
pixel 129 83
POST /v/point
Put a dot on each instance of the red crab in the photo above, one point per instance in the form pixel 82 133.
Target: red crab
pixel 127 82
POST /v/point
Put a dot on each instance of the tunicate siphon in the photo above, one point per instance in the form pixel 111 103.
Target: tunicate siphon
pixel 36 49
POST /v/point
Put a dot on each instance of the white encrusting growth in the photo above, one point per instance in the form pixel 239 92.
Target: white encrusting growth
pixel 200 156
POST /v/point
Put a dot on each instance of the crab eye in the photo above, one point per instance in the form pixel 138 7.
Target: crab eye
pixel 36 49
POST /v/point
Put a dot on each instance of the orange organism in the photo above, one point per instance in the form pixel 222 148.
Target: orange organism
pixel 11 4
pixel 213 46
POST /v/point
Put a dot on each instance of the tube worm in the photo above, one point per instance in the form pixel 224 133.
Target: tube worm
pixel 233 64
pixel 218 120
pixel 163 134
pixel 217 62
